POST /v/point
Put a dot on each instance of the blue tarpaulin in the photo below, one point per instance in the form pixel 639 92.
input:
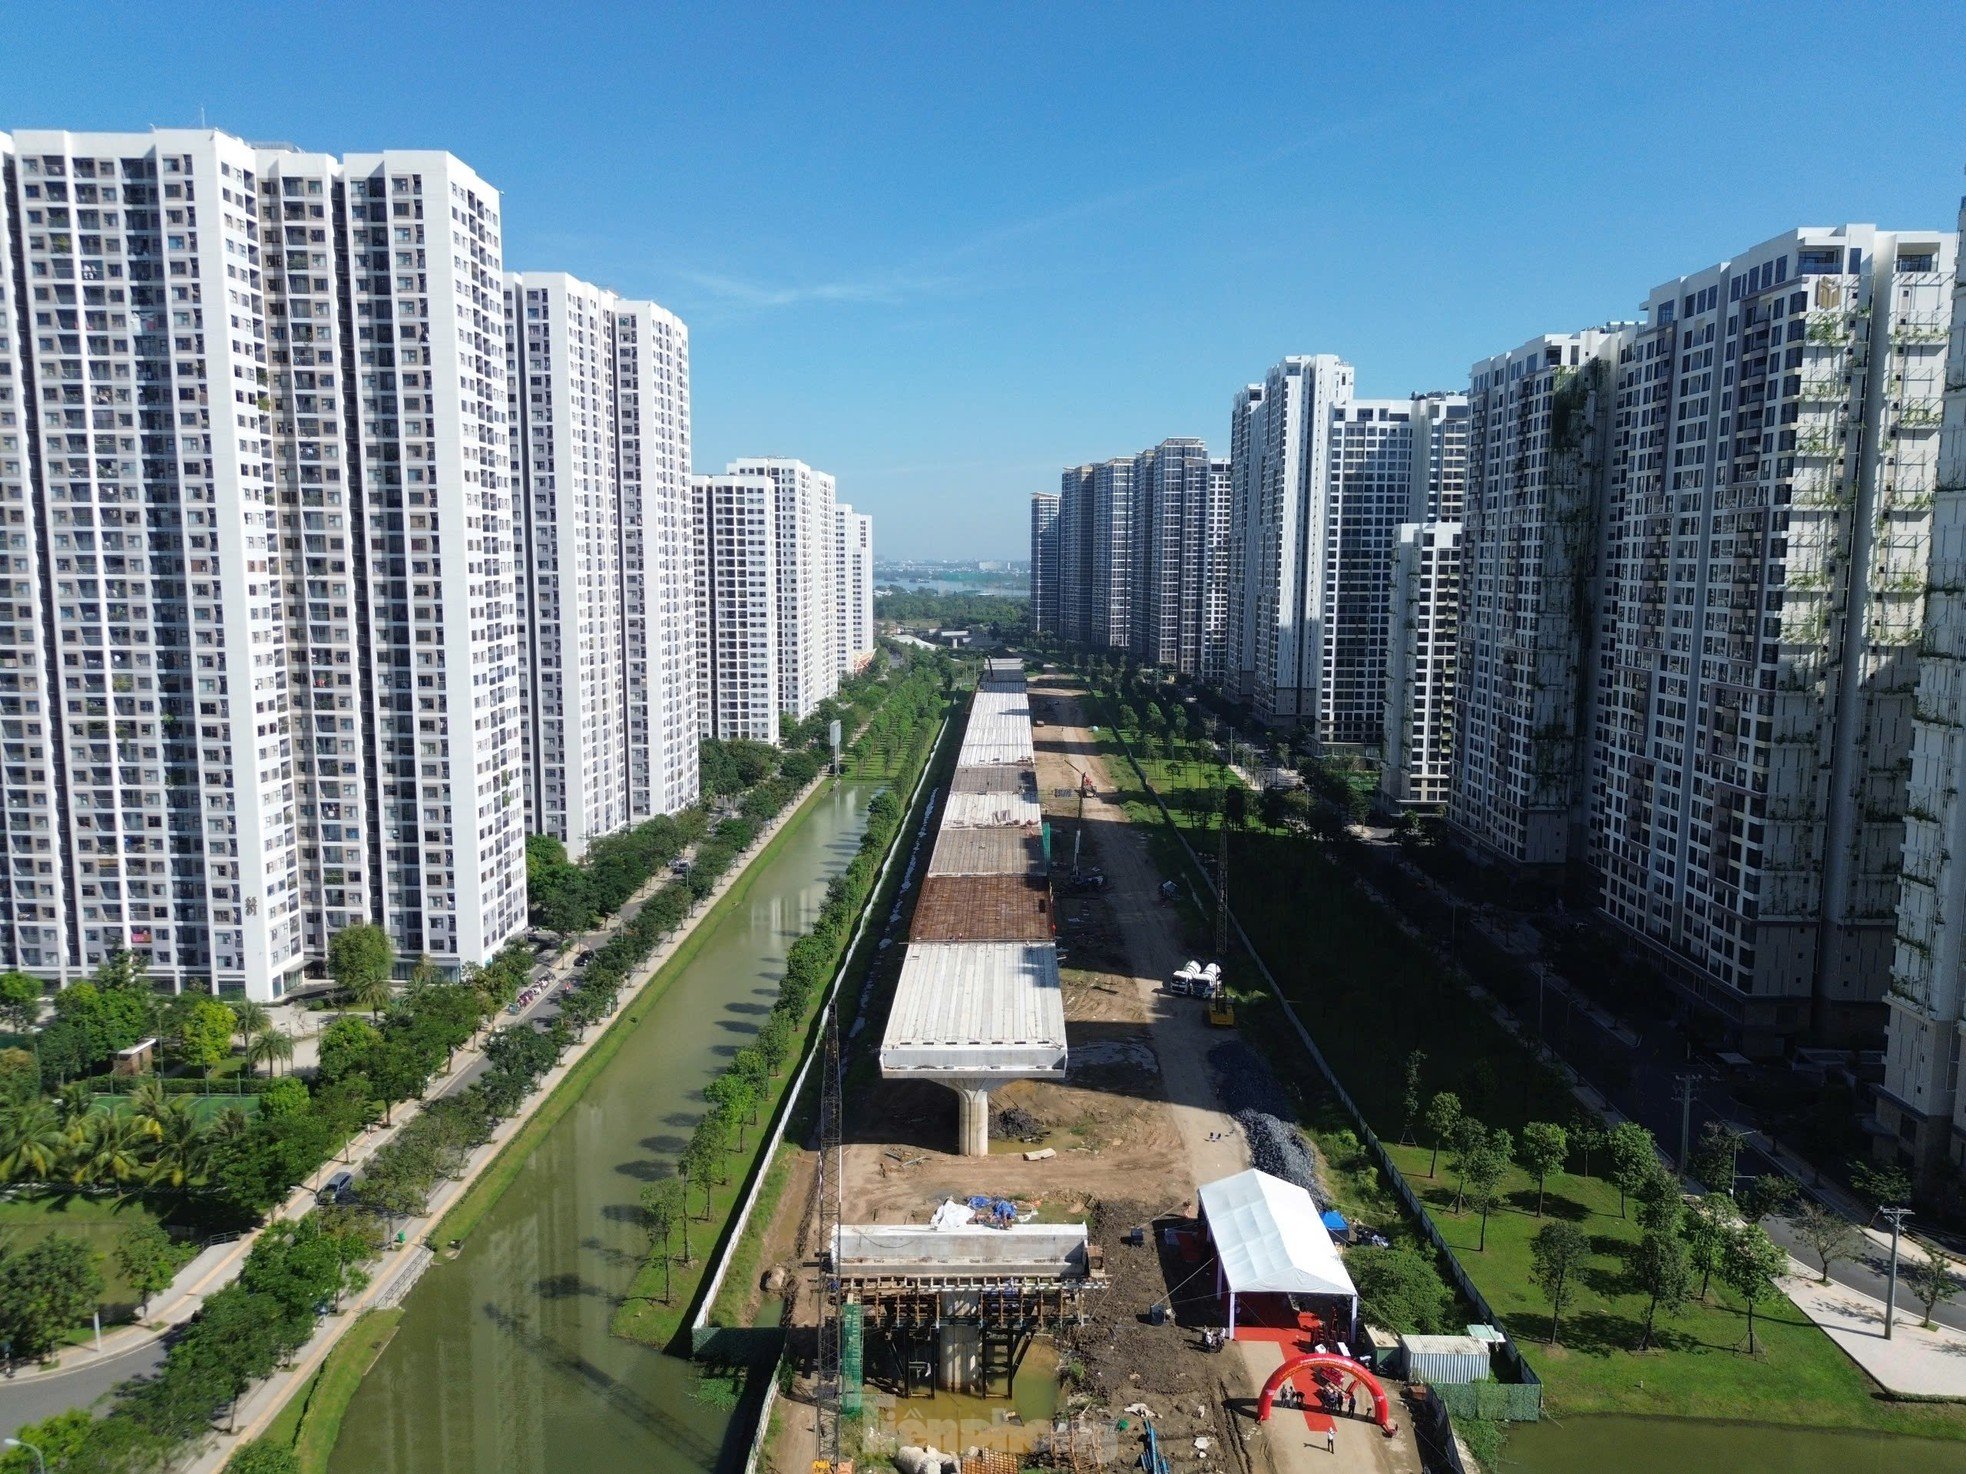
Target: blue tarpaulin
pixel 1335 1221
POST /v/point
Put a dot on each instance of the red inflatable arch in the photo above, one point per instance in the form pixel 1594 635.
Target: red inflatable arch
pixel 1381 1409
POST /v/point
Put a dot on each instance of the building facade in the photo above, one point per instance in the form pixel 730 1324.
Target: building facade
pixel 735 524
pixel 1422 645
pixel 804 525
pixel 599 438
pixel 252 431
pixel 1044 565
pixel 1921 1115
pixel 853 587
pixel 1114 556
pixel 1769 516
pixel 1531 539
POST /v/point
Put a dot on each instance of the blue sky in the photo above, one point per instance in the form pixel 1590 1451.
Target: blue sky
pixel 941 251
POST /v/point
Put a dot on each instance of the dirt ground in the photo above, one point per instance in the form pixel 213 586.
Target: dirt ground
pixel 1135 1128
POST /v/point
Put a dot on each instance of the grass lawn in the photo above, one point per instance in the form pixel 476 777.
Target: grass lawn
pixel 742 1277
pixel 1370 994
pixel 310 1421
pixel 99 1221
pixel 643 1314
pixel 1797 1376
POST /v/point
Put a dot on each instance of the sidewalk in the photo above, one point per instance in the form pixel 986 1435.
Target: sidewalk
pixel 1915 1362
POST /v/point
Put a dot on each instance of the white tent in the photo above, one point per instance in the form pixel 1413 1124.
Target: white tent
pixel 1270 1239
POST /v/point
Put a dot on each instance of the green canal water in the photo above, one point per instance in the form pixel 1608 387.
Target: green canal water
pixel 1614 1445
pixel 503 1363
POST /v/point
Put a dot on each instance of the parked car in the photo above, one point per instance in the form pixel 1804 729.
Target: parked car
pixel 338 1189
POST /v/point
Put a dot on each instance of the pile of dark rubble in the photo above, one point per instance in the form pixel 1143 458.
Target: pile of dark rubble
pixel 1018 1124
pixel 1276 1147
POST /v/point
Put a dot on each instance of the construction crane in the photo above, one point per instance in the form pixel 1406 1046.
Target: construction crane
pixel 827 1389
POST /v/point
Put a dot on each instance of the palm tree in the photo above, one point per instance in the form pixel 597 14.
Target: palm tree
pixel 148 1105
pixel 178 1159
pixel 372 993
pixel 109 1148
pixel 269 1047
pixel 31 1142
pixel 249 1018
pixel 74 1101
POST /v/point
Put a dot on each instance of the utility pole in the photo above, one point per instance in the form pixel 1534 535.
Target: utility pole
pixel 1686 1122
pixel 1897 1217
pixel 1222 884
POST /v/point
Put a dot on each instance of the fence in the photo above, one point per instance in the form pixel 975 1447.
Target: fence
pixel 1511 1360
pixel 1434 1431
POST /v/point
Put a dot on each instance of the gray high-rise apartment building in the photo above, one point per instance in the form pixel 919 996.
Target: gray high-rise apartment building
pixel 1921 1111
pixel 1769 529
pixel 1076 564
pixel 599 424
pixel 1109 607
pixel 1180 518
pixel 1532 530
pixel 259 667
pixel 1045 591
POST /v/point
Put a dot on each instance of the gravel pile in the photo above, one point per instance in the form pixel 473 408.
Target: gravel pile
pixel 1244 1081
pixel 1276 1147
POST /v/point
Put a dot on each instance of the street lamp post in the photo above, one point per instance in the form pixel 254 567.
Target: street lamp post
pixel 39 1462
pixel 1897 1217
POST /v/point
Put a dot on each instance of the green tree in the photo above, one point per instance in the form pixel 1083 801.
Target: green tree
pixel 1765 1196
pixel 201 1031
pixel 147 1260
pixel 20 1077
pixel 1932 1278
pixel 20 1001
pixel 1443 1119
pixel 1410 1098
pixel 1401 1289
pixel 59 1439
pixel 348 1047
pixel 1708 1227
pixel 1750 1267
pixel 1634 1158
pixel 736 1098
pixel 1483 1170
pixel 1586 1133
pixel 1545 1147
pixel 1829 1234
pixel 662 1211
pixel 1657 1268
pixel 45 1289
pixel 1884 1184
pixel 359 960
pixel 1716 1154
pixel 263 1456
pixel 1556 1255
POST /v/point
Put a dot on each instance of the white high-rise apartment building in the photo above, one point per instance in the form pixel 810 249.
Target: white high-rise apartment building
pixel 1221 573
pixel 1421 647
pixel 658 558
pixel 1530 557
pixel 599 439
pixel 735 523
pixel 1326 482
pixel 1770 512
pixel 1045 591
pixel 853 587
pixel 1920 1108
pixel 259 668
pixel 802 511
